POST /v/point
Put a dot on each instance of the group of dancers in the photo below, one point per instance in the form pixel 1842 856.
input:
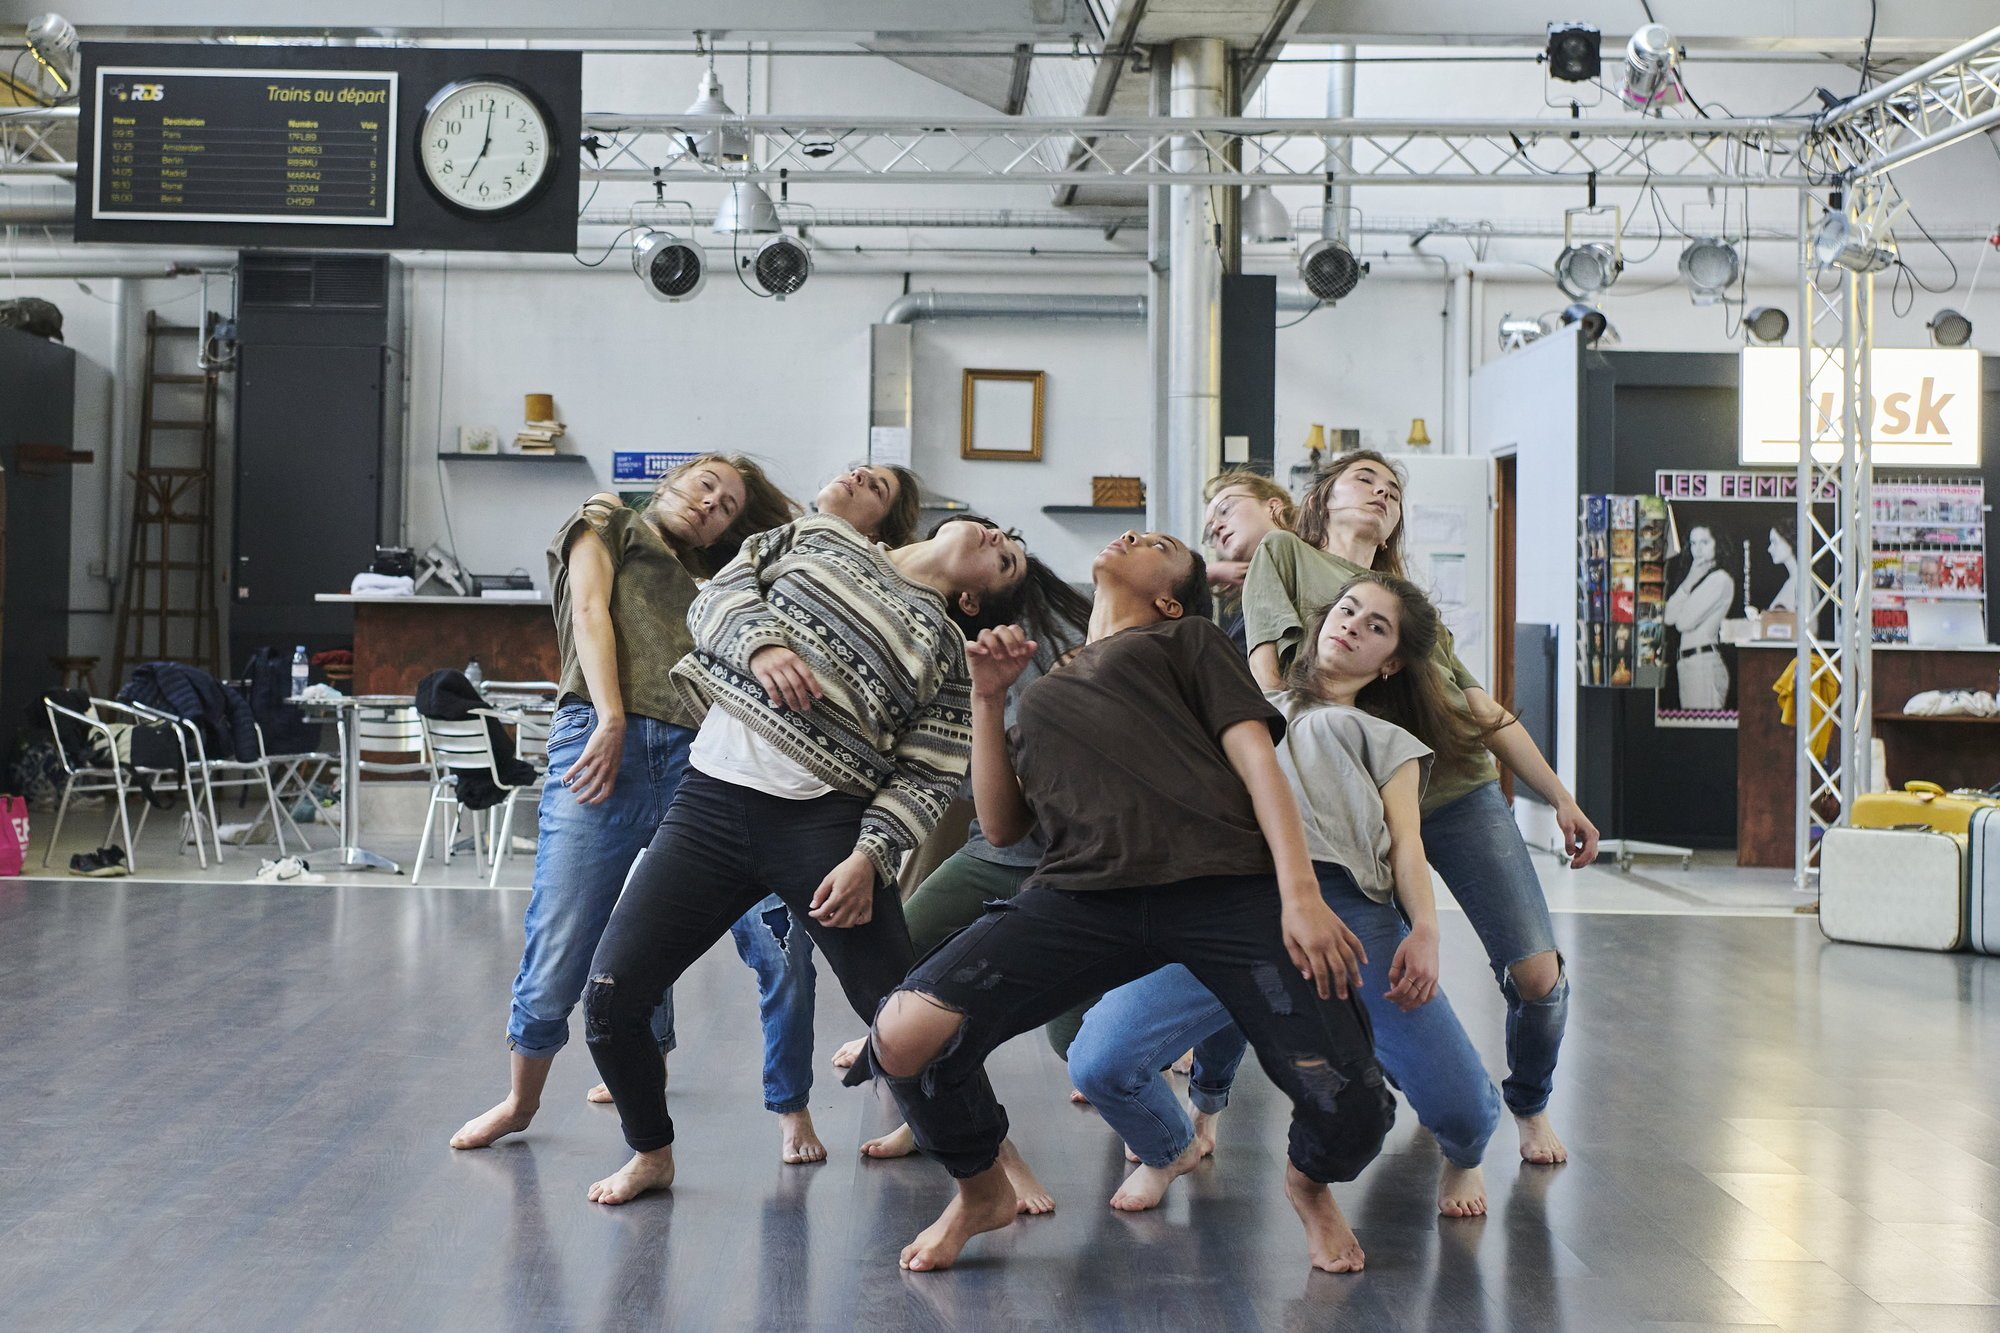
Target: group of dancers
pixel 1191 834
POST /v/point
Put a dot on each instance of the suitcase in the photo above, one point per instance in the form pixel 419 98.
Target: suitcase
pixel 1901 887
pixel 1923 803
pixel 1982 879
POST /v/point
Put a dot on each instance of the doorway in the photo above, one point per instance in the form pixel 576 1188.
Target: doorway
pixel 1504 503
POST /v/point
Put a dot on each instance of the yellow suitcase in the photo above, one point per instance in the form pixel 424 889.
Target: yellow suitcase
pixel 1922 804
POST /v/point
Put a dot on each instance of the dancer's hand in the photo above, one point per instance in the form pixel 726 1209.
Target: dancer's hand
pixel 1413 973
pixel 1228 575
pixel 997 658
pixel 846 897
pixel 1579 835
pixel 1323 949
pixel 595 772
pixel 785 677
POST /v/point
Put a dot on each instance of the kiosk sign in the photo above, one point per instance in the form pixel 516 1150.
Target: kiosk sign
pixel 1925 408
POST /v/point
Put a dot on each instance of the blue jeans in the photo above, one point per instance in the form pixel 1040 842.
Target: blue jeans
pixel 1139 1029
pixel 783 961
pixel 1476 848
pixel 583 857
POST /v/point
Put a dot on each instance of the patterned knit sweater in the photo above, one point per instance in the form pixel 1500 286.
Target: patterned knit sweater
pixel 895 723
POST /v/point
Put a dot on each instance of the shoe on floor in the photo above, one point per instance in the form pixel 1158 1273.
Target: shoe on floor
pixel 104 863
pixel 288 870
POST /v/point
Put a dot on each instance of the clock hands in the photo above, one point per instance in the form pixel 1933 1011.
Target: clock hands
pixel 482 152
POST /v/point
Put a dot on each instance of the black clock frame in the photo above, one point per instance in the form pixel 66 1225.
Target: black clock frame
pixel 513 206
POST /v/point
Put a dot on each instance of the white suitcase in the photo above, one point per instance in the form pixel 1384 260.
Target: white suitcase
pixel 1901 887
pixel 1982 876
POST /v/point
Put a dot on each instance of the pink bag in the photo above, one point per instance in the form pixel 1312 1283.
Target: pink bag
pixel 13 834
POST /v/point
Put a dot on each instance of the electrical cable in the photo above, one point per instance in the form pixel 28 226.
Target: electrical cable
pixel 593 263
pixel 437 454
pixel 1302 318
pixel 1868 47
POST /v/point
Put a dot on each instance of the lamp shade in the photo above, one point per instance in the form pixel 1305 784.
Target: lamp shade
pixel 1264 218
pixel 1418 433
pixel 725 145
pixel 748 211
pixel 1316 439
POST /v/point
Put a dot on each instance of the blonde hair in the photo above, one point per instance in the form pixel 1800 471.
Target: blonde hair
pixel 1261 488
pixel 764 507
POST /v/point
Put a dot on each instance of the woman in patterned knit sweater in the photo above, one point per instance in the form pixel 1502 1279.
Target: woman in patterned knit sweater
pixel 837 722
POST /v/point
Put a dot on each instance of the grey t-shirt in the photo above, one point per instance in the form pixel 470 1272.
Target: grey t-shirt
pixel 1337 759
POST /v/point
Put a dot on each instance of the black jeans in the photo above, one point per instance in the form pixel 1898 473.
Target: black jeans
pixel 720 850
pixel 1033 956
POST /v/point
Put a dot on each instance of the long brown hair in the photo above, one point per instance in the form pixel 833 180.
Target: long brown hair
pixel 1414 698
pixel 764 507
pixel 1313 521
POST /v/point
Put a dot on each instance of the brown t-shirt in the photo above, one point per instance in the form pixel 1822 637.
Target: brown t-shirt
pixel 1120 758
pixel 650 594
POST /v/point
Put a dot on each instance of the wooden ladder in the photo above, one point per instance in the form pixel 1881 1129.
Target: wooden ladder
pixel 167 599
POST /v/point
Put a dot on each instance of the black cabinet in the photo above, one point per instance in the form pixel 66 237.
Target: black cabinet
pixel 37 409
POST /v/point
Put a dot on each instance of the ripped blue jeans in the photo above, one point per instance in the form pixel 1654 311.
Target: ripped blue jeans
pixel 782 957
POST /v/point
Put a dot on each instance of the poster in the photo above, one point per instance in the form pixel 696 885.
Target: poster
pixel 1621 592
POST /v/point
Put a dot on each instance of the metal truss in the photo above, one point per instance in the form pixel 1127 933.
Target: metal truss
pixel 1936 104
pixel 1240 151
pixel 28 135
pixel 1835 513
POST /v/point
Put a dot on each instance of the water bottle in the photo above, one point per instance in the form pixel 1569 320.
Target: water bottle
pixel 300 671
pixel 474 674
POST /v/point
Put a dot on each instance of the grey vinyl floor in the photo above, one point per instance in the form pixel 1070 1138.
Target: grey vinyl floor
pixel 225 1107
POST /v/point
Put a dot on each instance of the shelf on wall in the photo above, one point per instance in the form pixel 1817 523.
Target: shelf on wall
pixel 1093 509
pixel 516 458
pixel 1935 717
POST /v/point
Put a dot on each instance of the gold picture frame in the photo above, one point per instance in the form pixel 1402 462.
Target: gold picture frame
pixel 1000 416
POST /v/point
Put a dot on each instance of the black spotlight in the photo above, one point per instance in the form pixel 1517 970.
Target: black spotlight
pixel 1950 329
pixel 782 265
pixel 1590 317
pixel 1576 52
pixel 1768 324
pixel 1329 270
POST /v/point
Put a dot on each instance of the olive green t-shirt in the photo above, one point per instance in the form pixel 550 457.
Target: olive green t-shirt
pixel 650 593
pixel 1287 582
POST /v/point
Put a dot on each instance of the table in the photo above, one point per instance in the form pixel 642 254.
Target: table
pixel 353 856
pixel 400 640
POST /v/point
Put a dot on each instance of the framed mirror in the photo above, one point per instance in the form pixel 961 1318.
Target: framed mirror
pixel 1001 415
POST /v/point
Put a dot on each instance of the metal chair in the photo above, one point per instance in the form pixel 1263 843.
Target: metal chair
pixel 91 779
pixel 242 774
pixel 457 748
pixel 531 744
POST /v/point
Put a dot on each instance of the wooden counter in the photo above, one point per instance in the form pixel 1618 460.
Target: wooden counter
pixel 1954 752
pixel 400 640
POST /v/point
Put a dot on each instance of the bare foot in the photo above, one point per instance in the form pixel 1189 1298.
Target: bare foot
pixel 802 1144
pixel 1539 1143
pixel 845 1057
pixel 1184 1065
pixel 898 1142
pixel 1204 1131
pixel 646 1171
pixel 1461 1191
pixel 1147 1185
pixel 985 1202
pixel 1029 1196
pixel 509 1117
pixel 1330 1242
pixel 1078 1099
pixel 600 1095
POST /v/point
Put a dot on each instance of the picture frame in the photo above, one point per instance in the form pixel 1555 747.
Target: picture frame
pixel 1000 417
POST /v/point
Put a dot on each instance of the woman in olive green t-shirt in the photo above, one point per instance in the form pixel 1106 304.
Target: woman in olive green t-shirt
pixel 1352 521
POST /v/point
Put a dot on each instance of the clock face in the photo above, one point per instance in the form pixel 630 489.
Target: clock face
pixel 485 146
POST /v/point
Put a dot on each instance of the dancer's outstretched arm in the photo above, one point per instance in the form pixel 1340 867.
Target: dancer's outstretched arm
pixel 997 659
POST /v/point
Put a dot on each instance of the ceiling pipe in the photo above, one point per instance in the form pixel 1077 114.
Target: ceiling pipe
pixel 935 305
pixel 1340 106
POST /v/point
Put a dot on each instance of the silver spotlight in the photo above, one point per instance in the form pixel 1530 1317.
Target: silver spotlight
pixel 781 265
pixel 1592 320
pixel 52 41
pixel 729 144
pixel 1767 324
pixel 1949 329
pixel 1516 333
pixel 1857 238
pixel 1587 269
pixel 1709 267
pixel 1329 269
pixel 1649 62
pixel 673 269
pixel 1264 218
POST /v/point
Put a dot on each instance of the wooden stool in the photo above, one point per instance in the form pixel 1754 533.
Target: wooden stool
pixel 78 673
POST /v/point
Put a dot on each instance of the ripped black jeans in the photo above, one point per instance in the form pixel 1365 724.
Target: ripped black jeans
pixel 719 852
pixel 1032 957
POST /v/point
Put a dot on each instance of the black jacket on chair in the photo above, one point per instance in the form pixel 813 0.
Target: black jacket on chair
pixel 448 696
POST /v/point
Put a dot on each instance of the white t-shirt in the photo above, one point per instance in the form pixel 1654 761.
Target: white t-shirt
pixel 728 751
pixel 1337 760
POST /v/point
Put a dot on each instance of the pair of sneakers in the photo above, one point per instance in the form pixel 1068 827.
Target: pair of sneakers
pixel 104 863
pixel 288 870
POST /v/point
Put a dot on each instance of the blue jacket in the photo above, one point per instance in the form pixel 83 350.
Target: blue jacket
pixel 228 731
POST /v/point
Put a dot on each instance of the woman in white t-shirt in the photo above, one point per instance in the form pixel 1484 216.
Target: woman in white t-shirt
pixel 1359 778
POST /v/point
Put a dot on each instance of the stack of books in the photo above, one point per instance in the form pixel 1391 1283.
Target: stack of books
pixel 538 437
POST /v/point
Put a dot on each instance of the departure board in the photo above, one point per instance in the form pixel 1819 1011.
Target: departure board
pixel 245 145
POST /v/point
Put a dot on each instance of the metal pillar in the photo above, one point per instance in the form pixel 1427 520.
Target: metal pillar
pixel 1194 389
pixel 1835 504
pixel 1159 265
pixel 1339 106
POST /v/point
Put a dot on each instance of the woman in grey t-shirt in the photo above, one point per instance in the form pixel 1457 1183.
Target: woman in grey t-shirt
pixel 1359 779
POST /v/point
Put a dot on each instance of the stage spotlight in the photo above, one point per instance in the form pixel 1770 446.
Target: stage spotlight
pixel 1516 333
pixel 1595 325
pixel 1767 324
pixel 672 269
pixel 1264 218
pixel 1329 269
pixel 1709 266
pixel 1575 52
pixel 52 42
pixel 1587 269
pixel 781 265
pixel 1949 329
pixel 1649 63
pixel 1857 236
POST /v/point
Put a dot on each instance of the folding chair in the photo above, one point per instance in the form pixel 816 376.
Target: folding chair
pixel 242 774
pixel 456 748
pixel 86 779
pixel 531 745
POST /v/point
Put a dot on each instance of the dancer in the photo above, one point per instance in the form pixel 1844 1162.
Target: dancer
pixel 1357 777
pixel 1157 706
pixel 1352 520
pixel 833 680
pixel 621 580
pixel 1243 509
